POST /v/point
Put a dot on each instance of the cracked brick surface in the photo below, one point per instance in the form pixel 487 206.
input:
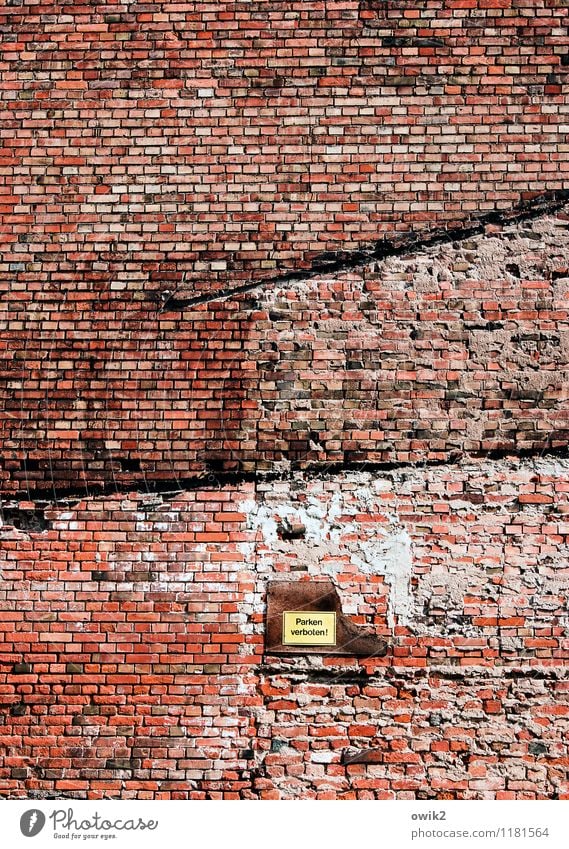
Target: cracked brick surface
pixel 132 661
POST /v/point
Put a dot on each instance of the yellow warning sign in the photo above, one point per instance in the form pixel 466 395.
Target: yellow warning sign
pixel 309 628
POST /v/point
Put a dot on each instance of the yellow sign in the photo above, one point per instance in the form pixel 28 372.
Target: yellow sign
pixel 309 628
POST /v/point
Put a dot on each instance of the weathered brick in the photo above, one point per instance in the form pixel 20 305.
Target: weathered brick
pixel 284 295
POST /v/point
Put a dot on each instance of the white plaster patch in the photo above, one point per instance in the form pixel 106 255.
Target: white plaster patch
pixel 335 542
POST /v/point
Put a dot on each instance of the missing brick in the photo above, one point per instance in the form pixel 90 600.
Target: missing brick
pixel 129 464
pixel 30 520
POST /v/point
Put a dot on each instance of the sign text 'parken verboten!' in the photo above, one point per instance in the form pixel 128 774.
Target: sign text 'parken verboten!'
pixel 309 628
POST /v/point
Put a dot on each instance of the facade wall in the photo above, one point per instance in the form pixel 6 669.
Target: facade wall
pixel 270 266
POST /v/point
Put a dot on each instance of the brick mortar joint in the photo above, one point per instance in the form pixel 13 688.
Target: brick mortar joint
pixel 69 497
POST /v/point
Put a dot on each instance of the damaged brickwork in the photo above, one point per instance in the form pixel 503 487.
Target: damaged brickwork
pixel 458 348
pixel 134 631
pixel 284 298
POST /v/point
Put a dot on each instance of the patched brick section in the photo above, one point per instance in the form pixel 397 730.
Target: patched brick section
pixel 460 348
pixel 132 663
pixel 214 140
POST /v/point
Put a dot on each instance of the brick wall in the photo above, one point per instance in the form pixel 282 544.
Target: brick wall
pixel 215 140
pixel 454 349
pixel 270 263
